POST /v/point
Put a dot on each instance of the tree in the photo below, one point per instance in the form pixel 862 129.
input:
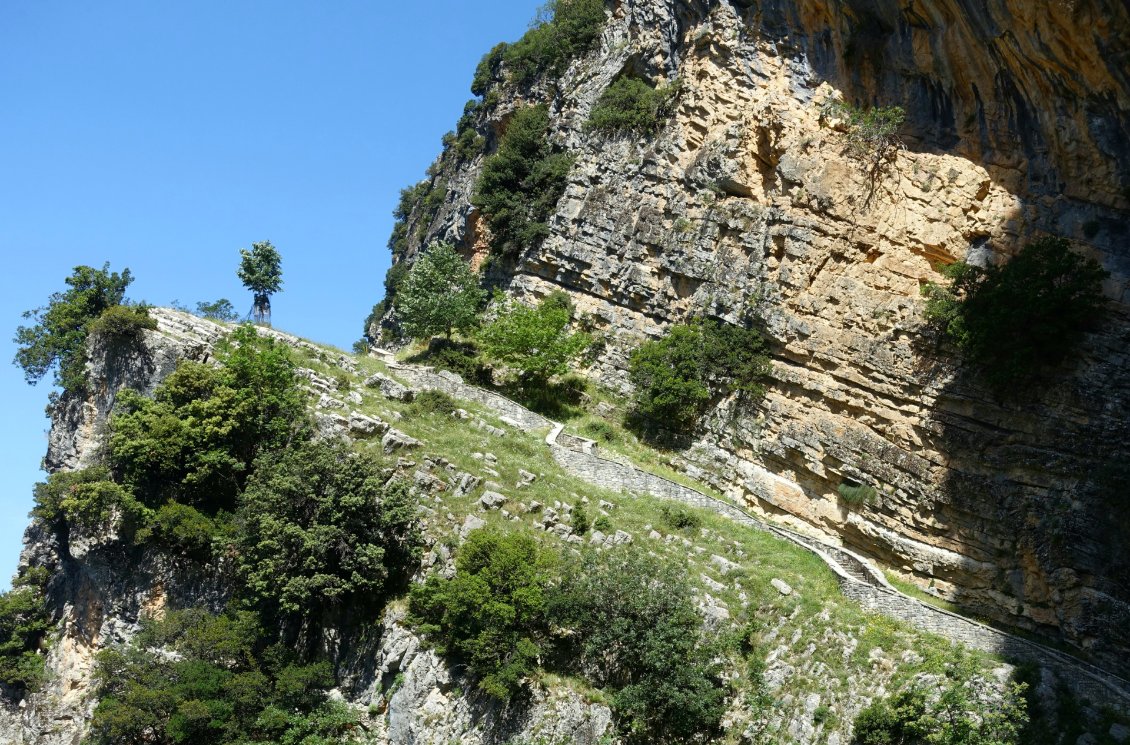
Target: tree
pixel 217 310
pixel 440 294
pixel 322 532
pixel 955 706
pixel 58 338
pixel 677 377
pixel 260 270
pixel 534 341
pixel 1012 320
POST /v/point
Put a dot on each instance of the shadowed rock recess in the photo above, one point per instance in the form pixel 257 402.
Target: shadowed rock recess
pixel 746 203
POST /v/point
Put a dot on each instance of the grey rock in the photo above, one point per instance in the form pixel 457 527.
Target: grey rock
pixel 492 500
pixel 394 440
pixel 389 388
pixel 782 586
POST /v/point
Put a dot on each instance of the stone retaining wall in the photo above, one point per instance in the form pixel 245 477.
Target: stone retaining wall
pixel 857 578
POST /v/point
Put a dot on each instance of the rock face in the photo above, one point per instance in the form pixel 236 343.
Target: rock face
pixel 747 202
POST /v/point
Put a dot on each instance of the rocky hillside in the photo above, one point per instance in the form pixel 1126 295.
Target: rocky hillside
pixel 746 200
pixel 814 659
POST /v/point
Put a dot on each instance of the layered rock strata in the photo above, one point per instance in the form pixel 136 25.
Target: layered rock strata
pixel 748 203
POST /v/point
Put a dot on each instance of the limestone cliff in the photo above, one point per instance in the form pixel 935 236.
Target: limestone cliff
pixel 1018 124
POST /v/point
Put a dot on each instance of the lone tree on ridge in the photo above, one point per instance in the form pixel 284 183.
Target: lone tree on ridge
pixel 261 272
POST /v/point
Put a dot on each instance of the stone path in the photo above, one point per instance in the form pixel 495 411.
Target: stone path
pixel 857 577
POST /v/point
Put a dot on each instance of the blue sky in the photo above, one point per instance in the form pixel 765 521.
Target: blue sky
pixel 164 137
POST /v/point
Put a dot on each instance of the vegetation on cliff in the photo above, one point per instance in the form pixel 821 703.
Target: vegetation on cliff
pixel 57 339
pixel 535 342
pixel 521 183
pixel 1021 317
pixel 631 105
pixel 439 295
pixel 678 376
pixel 623 620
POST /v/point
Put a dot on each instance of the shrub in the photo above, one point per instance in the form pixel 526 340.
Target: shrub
pixel 217 310
pixel 958 707
pixel 461 358
pixel 491 614
pixel 521 183
pixel 599 430
pixel 320 532
pixel 679 517
pixel 195 440
pixel 631 105
pixel 631 627
pixel 1013 320
pixel 432 402
pixel 185 530
pixel 678 376
pixel 534 341
pixel 565 29
pixel 487 69
pixel 872 132
pixel 87 499
pixel 24 621
pixel 580 521
pixel 603 524
pixel 123 321
pixel 57 340
pixel 857 493
pixel 194 677
pixel 440 294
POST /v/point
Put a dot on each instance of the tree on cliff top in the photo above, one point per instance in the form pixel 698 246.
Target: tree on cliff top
pixel 441 294
pixel 58 338
pixel 260 270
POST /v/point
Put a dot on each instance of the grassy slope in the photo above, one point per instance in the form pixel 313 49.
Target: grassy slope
pixel 815 640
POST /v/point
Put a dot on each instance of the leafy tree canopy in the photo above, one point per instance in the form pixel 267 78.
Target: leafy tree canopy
pixel 631 105
pixel 440 294
pixel 57 340
pixel 321 532
pixel 562 31
pixel 260 270
pixel 195 440
pixel 677 377
pixel 217 310
pixel 23 623
pixel 521 183
pixel 534 341
pixel 1016 319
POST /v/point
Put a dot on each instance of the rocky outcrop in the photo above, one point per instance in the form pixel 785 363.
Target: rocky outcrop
pixel 747 203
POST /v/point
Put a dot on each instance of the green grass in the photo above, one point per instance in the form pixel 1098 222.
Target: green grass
pixel 810 628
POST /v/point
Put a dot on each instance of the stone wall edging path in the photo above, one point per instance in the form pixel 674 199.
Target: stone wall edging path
pixel 858 579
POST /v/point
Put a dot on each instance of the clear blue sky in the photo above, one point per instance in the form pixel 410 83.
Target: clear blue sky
pixel 164 137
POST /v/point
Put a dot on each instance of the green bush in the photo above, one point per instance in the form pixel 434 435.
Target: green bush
pixel 535 342
pixel 564 30
pixel 183 529
pixel 678 376
pixel 57 340
pixel 195 440
pixel 872 132
pixel 422 200
pixel 123 321
pixel 679 517
pixel 320 533
pixel 580 520
pixel 461 358
pixel 24 621
pixel 1011 321
pixel 491 614
pixel 198 678
pixel 603 524
pixel 857 493
pixel 217 310
pixel 631 627
pixel 521 183
pixel 89 500
pixel 487 69
pixel 958 707
pixel 600 431
pixel 432 402
pixel 631 105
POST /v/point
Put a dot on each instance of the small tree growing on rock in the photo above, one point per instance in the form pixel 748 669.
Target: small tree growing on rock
pixel 534 341
pixel 260 270
pixel 440 295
